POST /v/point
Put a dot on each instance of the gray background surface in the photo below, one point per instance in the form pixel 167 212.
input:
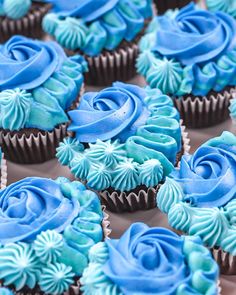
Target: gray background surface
pixel 120 222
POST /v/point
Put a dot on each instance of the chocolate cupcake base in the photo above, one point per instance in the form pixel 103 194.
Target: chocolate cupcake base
pixel 200 112
pixel 225 260
pixel 142 198
pixel 3 172
pixel 163 5
pixel 29 25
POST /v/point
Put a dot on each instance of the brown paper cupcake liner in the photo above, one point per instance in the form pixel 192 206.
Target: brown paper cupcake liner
pixel 142 198
pixel 225 260
pixel 29 25
pixel 33 146
pixel 163 5
pixel 199 112
pixel 3 172
pixel 75 288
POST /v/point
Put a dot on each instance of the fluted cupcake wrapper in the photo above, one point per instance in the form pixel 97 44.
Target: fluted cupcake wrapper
pixel 33 146
pixel 29 25
pixel 163 5
pixel 199 112
pixel 3 172
pixel 75 288
pixel 225 260
pixel 142 198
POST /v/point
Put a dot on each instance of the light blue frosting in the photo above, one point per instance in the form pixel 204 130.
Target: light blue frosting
pixel 56 278
pixel 232 108
pixel 228 6
pixel 209 211
pixel 52 258
pixel 151 173
pixel 94 28
pixel 14 9
pixel 179 57
pixel 38 101
pixel 184 258
pixel 5 291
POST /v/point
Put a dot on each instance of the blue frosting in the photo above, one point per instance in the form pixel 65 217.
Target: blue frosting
pixel 37 100
pixel 228 6
pixel 92 27
pixel 194 52
pixel 208 176
pixel 14 9
pixel 166 263
pixel 5 291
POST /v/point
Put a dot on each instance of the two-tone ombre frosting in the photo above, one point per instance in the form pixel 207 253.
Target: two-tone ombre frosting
pixel 93 26
pixel 38 84
pixel 47 230
pixel 150 261
pixel 199 198
pixel 191 52
pixel 130 133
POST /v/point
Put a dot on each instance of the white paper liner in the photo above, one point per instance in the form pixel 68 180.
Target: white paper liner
pixel 199 112
pixel 142 198
pixel 3 172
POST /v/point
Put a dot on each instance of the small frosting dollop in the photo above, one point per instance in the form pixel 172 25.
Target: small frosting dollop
pixel 5 291
pixel 15 9
pixel 56 278
pixel 151 173
pixel 228 6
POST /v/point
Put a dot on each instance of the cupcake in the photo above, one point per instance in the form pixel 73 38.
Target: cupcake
pixel 191 57
pixel 47 229
pixel 150 261
pixel 124 141
pixel 38 85
pixel 163 5
pixel 105 32
pixel 228 6
pixel 3 170
pixel 22 17
pixel 200 198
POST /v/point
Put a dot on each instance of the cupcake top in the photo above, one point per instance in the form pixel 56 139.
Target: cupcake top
pixel 191 52
pixel 47 229
pixel 228 6
pixel 16 9
pixel 38 83
pixel 92 26
pixel 200 196
pixel 125 136
pixel 150 261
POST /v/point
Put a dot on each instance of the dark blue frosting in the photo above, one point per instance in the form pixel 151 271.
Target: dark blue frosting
pixel 26 63
pixel 147 261
pixel 33 205
pixel 195 36
pixel 208 176
pixel 115 112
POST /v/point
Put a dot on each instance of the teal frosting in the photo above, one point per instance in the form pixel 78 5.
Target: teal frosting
pixel 99 177
pixel 126 176
pixel 232 108
pixel 228 243
pixel 180 216
pixel 80 166
pixel 202 271
pixel 56 278
pixel 228 6
pixel 151 173
pixel 169 194
pixel 15 9
pixel 19 266
pixel 43 107
pixel 92 29
pixel 55 257
pixel 67 149
pixel 230 211
pixel 5 291
pixel 48 246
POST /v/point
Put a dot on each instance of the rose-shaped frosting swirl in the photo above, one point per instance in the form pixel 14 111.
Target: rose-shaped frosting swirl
pixel 32 205
pixel 114 112
pixel 153 254
pixel 195 36
pixel 27 64
pixel 208 176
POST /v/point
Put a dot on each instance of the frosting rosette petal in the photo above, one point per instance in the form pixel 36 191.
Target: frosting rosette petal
pixel 31 206
pixel 208 176
pixel 27 64
pixel 114 112
pixel 195 35
pixel 150 261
